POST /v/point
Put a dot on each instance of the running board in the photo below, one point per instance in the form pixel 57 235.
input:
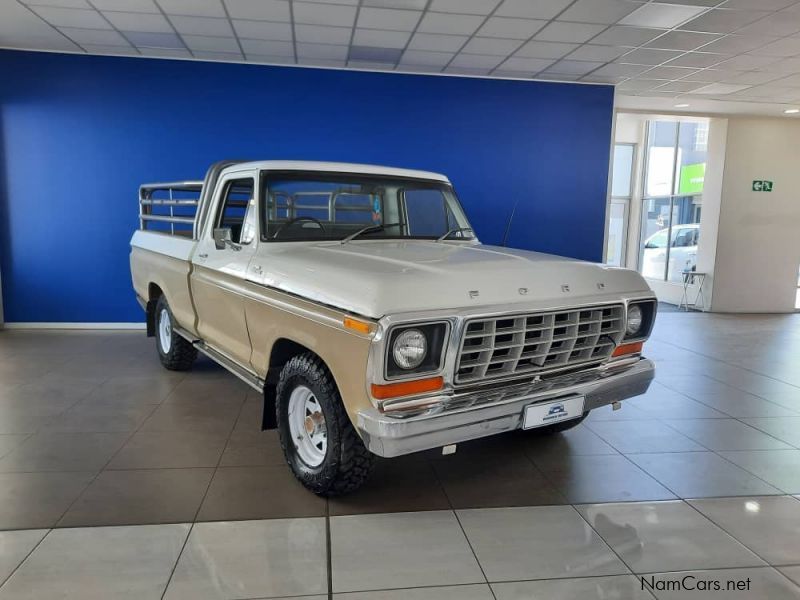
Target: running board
pixel 250 378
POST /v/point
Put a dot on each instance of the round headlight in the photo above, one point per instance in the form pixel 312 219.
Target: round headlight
pixel 409 349
pixel 634 324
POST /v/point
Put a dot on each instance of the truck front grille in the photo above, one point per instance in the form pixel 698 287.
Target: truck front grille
pixel 537 342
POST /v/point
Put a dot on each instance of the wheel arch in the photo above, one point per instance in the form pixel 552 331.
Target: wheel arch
pixel 154 292
pixel 283 349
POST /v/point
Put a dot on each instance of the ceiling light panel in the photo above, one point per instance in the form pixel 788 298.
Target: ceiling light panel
pixel 661 15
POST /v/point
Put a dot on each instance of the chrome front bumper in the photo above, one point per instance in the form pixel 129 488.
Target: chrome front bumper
pixel 476 414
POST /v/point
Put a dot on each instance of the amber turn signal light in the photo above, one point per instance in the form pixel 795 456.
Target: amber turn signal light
pixel 356 325
pixel 406 388
pixel 624 349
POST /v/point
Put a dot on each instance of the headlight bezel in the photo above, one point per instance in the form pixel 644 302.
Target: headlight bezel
pixel 437 334
pixel 648 309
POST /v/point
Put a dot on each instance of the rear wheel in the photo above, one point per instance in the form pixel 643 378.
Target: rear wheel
pixel 318 440
pixel 176 353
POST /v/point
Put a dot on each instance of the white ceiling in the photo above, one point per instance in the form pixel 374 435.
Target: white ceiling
pixel 727 56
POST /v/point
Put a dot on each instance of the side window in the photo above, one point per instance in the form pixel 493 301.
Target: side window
pixel 428 213
pixel 237 200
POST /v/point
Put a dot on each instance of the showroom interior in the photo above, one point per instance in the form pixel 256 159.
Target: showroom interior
pixel 657 137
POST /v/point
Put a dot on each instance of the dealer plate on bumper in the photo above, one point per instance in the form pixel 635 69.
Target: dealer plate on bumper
pixel 539 415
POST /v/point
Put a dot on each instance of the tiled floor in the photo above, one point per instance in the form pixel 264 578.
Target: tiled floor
pixel 119 479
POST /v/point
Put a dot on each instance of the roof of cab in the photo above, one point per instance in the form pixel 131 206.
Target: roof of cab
pixel 309 165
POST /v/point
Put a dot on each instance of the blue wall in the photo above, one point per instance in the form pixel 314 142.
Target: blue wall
pixel 78 134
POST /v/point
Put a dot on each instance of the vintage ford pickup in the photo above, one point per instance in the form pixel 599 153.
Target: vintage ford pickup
pixel 359 302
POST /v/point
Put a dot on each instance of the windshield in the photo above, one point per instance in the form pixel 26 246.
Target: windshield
pixel 308 206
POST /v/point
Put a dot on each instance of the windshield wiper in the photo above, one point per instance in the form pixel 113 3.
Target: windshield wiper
pixel 452 231
pixel 368 229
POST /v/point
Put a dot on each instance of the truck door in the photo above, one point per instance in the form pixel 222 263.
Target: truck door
pixel 219 270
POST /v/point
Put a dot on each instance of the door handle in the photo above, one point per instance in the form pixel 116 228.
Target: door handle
pixel 203 255
pixel 258 269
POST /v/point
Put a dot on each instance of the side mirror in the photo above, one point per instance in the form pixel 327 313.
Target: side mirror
pixel 222 238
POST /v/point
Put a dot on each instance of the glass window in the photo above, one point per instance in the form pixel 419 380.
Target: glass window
pixel 305 206
pixel 672 204
pixel 238 194
pixel 622 169
pixel 617 230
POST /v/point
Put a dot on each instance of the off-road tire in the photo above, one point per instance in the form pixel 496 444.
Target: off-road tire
pixel 561 426
pixel 347 463
pixel 182 353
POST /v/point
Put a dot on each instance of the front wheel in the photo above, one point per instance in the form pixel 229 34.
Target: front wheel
pixel 318 440
pixel 175 352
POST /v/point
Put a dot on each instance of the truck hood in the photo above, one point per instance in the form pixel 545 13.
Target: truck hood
pixel 377 278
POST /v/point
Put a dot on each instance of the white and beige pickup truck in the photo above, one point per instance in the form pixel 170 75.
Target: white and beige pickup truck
pixel 359 302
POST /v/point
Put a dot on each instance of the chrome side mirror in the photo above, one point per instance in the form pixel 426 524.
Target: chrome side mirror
pixel 222 239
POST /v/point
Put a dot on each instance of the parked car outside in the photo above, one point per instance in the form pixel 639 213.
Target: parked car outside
pixel 682 252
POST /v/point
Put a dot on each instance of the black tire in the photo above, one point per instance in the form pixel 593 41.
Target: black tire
pixel 347 463
pixel 180 354
pixel 562 426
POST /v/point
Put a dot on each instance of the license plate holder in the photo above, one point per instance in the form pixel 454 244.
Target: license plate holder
pixel 540 415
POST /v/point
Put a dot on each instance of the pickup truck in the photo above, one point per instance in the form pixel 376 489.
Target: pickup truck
pixel 359 302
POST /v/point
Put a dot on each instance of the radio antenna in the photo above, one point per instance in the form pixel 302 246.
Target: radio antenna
pixel 508 225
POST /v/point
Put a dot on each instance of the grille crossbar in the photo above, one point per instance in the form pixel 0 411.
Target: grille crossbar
pixel 529 343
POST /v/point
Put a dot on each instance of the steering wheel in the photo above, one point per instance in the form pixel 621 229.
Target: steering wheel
pixel 292 222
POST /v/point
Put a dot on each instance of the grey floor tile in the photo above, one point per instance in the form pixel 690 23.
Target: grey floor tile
pixel 49 451
pixel 786 429
pixel 170 450
pixel 538 542
pixel 194 415
pixel 417 549
pixel 628 412
pixel 617 587
pixel 726 434
pixel 401 484
pixel 253 449
pixel 578 441
pixel 602 478
pixel 666 536
pixel 99 563
pixel 92 417
pixel 135 390
pixel 258 493
pixel 35 500
pixel 665 403
pixel 742 404
pixel 643 436
pixel 15 546
pixel 768 525
pixel 701 474
pixel 9 441
pixel 462 592
pixel 779 468
pixel 745 584
pixel 252 559
pixel 503 483
pixel 139 497
pixel 792 573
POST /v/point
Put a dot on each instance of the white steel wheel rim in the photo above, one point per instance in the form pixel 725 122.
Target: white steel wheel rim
pixel 307 426
pixel 164 331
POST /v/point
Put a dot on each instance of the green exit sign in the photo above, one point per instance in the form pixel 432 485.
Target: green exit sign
pixel 762 185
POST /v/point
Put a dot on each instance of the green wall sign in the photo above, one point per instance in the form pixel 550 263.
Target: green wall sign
pixel 691 179
pixel 762 185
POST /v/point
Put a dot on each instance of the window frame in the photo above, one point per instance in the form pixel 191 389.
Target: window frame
pixel 625 201
pixel 224 186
